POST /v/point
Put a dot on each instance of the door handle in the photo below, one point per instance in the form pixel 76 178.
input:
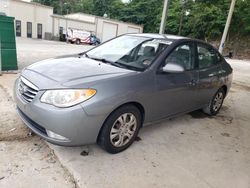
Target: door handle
pixel 211 75
pixel 215 74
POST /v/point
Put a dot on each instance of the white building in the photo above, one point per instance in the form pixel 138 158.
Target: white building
pixel 34 20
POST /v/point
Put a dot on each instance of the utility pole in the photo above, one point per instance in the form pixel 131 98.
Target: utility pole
pixel 229 18
pixel 181 17
pixel 164 16
pixel 61 7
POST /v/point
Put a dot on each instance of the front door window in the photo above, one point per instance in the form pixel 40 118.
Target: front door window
pixel 183 56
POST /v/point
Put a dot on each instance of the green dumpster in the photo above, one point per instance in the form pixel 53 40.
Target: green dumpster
pixel 7 44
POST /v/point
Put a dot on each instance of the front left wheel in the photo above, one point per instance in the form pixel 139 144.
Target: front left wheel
pixel 120 129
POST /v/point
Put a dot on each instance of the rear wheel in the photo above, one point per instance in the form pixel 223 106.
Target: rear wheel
pixel 215 104
pixel 78 41
pixel 120 129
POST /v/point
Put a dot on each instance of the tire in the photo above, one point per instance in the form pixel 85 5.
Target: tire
pixel 78 42
pixel 216 103
pixel 120 129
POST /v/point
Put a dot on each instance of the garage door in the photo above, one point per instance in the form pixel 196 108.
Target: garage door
pixel 109 31
pixel 133 30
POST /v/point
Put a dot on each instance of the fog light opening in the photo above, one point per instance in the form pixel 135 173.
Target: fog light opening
pixel 56 136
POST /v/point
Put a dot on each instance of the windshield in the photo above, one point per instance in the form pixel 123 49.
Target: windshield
pixel 131 52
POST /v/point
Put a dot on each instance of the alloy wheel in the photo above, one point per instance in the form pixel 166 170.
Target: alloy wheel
pixel 123 129
pixel 218 100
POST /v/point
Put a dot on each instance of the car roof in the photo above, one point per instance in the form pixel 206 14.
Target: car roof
pixel 159 36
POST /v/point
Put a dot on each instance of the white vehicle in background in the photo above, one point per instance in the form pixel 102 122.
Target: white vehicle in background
pixel 80 36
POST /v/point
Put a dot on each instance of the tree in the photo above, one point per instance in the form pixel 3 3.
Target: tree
pixel 146 13
pixel 203 19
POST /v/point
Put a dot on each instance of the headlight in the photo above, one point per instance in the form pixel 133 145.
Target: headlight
pixel 67 97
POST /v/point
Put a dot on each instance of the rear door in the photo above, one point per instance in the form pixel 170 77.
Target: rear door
pixel 209 65
pixel 176 92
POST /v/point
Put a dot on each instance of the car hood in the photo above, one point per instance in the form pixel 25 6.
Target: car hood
pixel 61 71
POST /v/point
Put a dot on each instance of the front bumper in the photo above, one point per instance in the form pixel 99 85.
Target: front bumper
pixel 72 123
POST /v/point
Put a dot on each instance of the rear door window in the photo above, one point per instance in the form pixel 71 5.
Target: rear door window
pixel 207 56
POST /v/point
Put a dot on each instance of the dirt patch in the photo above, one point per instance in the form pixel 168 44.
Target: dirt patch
pixel 225 134
pixel 198 114
pixel 11 126
pixel 241 86
pixel 227 120
pixel 84 153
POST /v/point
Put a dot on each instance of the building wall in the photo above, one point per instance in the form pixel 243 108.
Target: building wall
pixel 77 16
pixel 102 27
pixel 4 6
pixel 122 28
pixel 59 21
pixel 30 12
pixel 35 13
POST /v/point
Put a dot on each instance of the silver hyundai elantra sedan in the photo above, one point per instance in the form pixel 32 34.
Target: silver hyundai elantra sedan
pixel 105 95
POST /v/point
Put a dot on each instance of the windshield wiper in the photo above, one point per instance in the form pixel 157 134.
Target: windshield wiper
pixel 104 61
pixel 116 64
pixel 129 66
pixel 97 59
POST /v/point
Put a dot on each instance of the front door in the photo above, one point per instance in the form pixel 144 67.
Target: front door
pixel 177 92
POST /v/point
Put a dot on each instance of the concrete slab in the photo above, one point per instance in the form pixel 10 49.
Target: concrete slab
pixel 31 164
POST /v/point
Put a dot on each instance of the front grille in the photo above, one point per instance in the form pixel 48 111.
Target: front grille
pixel 27 90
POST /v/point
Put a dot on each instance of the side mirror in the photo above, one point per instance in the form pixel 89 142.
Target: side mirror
pixel 173 68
